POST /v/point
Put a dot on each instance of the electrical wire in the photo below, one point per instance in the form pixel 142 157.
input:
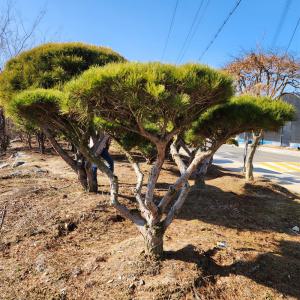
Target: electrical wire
pixel 194 32
pixel 220 29
pixel 170 30
pixel 292 37
pixel 190 30
pixel 281 22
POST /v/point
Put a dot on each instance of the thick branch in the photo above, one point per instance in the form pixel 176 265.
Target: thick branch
pixel 176 156
pixel 173 189
pixel 153 177
pixel 114 188
pixel 60 151
pixel 185 147
pixel 139 184
pixel 177 205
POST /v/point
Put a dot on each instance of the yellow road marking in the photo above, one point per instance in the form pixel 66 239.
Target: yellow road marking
pixel 282 166
pixel 288 166
pixel 272 167
pixel 294 163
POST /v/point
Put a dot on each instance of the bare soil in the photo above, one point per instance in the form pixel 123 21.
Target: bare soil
pixel 58 242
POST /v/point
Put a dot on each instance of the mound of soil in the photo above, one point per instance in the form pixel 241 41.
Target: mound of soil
pixel 232 240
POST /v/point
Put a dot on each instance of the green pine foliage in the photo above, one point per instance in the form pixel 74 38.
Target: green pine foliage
pixel 158 97
pixel 51 65
pixel 45 67
pixel 128 140
pixel 240 114
pixel 34 105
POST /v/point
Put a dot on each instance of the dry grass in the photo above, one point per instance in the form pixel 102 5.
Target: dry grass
pixel 58 242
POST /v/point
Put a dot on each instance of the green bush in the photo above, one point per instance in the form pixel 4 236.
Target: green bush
pixel 51 65
pixel 232 141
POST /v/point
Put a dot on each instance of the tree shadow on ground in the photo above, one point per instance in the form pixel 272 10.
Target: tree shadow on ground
pixel 280 270
pixel 256 207
pixel 217 171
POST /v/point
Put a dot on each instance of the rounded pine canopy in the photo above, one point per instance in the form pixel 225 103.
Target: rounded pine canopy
pixel 241 114
pixel 152 98
pixel 51 65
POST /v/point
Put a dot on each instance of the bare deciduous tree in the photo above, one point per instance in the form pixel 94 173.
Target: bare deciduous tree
pixel 15 37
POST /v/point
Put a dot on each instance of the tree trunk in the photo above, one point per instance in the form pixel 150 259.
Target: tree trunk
pixel 40 136
pixel 28 138
pixel 82 177
pixel 81 170
pixel 246 139
pixel 4 139
pixel 201 173
pixel 77 166
pixel 210 162
pixel 249 164
pixel 153 238
pixel 245 157
pixel 92 184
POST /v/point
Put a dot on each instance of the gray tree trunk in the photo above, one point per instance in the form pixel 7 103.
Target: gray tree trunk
pixel 153 237
pixel 77 166
pixel 4 139
pixel 82 177
pixel 201 173
pixel 249 164
pixel 40 136
pixel 28 138
pixel 92 184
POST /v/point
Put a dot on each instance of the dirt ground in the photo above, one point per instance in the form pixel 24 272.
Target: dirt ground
pixel 232 240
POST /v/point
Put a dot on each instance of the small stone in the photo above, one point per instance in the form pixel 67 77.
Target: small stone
pixel 222 245
pixel 295 229
pixel 4 165
pixel 63 294
pixel 70 226
pixel 132 286
pixel 65 196
pixel 141 282
pixel 110 281
pixel 77 271
pixel 18 163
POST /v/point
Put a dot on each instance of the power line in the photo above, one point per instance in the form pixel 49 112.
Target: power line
pixel 194 32
pixel 170 29
pixel 293 35
pixel 220 29
pixel 190 30
pixel 281 21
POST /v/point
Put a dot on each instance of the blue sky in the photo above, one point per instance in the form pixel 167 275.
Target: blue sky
pixel 138 28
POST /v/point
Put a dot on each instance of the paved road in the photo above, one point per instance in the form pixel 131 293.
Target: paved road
pixel 282 166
